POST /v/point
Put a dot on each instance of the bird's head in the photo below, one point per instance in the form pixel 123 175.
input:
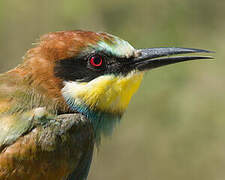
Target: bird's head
pixel 97 73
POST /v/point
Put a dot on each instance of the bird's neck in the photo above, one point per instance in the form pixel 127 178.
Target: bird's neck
pixel 103 123
pixel 103 100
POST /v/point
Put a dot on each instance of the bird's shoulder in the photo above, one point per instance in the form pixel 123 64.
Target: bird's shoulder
pixel 33 136
pixel 17 108
pixel 22 104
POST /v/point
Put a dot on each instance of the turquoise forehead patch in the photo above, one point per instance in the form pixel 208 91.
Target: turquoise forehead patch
pixel 115 46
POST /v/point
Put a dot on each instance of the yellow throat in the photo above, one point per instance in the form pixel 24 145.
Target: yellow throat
pixel 107 93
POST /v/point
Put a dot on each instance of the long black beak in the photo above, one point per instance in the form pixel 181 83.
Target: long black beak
pixel 157 57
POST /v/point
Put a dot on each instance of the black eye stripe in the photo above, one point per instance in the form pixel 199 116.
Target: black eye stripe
pixel 81 69
pixel 76 69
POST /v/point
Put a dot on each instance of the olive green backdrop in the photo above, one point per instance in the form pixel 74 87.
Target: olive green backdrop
pixel 174 128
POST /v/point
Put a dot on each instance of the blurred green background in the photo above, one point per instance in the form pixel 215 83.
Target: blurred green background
pixel 174 127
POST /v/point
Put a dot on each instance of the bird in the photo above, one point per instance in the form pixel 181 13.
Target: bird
pixel 71 89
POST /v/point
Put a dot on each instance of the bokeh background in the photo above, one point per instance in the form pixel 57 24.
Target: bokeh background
pixel 174 127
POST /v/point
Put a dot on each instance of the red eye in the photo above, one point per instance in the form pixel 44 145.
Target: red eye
pixel 96 61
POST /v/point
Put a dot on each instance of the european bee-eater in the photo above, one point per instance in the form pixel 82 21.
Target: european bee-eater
pixel 71 89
